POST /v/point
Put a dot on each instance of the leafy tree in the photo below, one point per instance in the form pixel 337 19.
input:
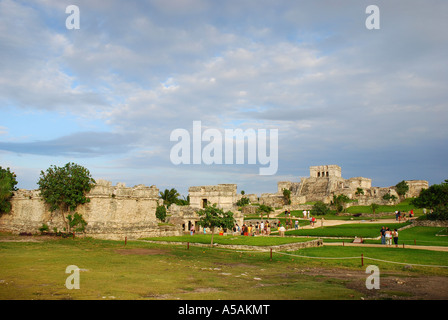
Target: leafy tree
pixel 213 217
pixel 170 196
pixel 401 188
pixel 64 188
pixel 359 191
pixel 161 213
pixel 264 209
pixel 183 202
pixel 338 202
pixel 7 186
pixel 287 196
pixel 243 202
pixel 243 192
pixel 434 198
pixel 320 209
pixel 389 197
pixel 76 222
pixel 374 207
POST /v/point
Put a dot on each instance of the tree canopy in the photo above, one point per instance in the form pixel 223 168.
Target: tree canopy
pixel 64 188
pixel 434 198
pixel 213 217
pixel 8 183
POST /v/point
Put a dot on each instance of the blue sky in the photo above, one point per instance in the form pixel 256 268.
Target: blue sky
pixel 107 96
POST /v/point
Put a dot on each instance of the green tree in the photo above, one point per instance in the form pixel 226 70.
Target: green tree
pixel 213 217
pixel 170 196
pixel 320 209
pixel 389 197
pixel 64 188
pixel 401 188
pixel 339 201
pixel 161 213
pixel 359 191
pixel 287 196
pixel 374 207
pixel 243 202
pixel 264 209
pixel 434 198
pixel 8 183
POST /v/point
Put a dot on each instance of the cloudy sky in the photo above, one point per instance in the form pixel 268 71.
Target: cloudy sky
pixel 109 94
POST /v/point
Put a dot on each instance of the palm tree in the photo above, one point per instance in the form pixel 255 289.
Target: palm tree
pixel 169 196
pixel 374 207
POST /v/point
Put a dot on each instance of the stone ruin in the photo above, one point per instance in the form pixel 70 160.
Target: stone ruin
pixel 119 212
pixel 326 181
pixel 114 212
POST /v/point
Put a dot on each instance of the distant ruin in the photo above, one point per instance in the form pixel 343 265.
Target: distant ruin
pixel 119 212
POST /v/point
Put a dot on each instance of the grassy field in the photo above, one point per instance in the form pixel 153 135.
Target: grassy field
pixel 423 236
pixel 139 270
pixel 347 230
pixel 229 240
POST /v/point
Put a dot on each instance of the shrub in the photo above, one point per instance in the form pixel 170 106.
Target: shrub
pixel 161 213
pixel 243 202
pixel 320 209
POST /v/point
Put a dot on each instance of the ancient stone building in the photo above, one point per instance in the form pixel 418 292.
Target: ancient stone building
pixel 326 181
pixel 114 212
pixel 223 195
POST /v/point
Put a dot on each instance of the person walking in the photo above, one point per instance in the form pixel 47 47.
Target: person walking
pixel 296 226
pixel 395 236
pixel 388 236
pixel 282 230
pixel 383 235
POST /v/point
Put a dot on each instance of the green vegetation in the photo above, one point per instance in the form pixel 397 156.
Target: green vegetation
pixel 434 198
pixel 161 213
pixel 370 230
pixel 287 196
pixel 401 188
pixel 8 183
pixel 139 270
pixel 421 236
pixel 262 209
pixel 213 217
pixel 320 209
pixel 64 188
pixel 339 201
pixel 231 240
pixel 404 206
pixel 243 202
pixel 172 196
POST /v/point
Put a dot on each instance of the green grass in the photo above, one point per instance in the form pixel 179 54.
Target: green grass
pixel 347 230
pixel 423 236
pixel 231 240
pixel 404 206
pixel 36 270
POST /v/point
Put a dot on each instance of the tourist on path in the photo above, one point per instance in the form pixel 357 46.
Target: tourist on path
pixel 383 235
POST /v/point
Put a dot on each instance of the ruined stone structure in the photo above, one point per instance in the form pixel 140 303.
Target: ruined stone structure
pixel 223 195
pixel 326 181
pixel 114 212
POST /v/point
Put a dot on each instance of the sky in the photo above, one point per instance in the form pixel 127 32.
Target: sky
pixel 109 95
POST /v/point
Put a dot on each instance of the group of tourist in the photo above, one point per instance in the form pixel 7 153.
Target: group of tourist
pixel 402 215
pixel 263 228
pixel 387 235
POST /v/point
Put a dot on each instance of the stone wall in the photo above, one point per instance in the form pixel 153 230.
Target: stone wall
pixel 114 212
pixel 223 195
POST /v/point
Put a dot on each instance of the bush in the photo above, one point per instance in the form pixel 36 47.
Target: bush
pixel 44 228
pixel 161 213
pixel 320 209
pixel 7 185
pixel 243 202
